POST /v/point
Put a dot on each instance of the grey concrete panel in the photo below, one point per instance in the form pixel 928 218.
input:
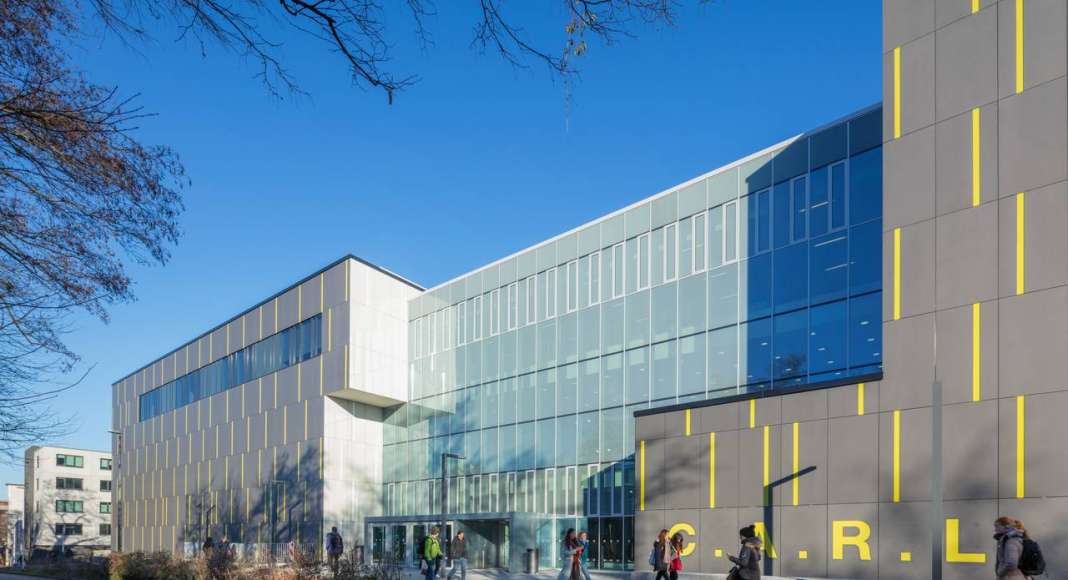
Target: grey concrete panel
pixel 715 418
pixel 905 527
pixel 976 519
pixel 310 297
pixel 1045 239
pixel 967 64
pixel 917 84
pixel 851 565
pixel 969 461
pixel 812 453
pixel 1033 339
pixel 656 465
pixel 954 168
pixel 917 270
pixel 915 453
pixel 768 412
pixel 719 538
pixel 333 294
pixel 751 466
pixel 947 11
pixel 1033 138
pixel 687 472
pixel 955 328
pixel 1044 43
pixel 845 401
pixel 906 20
pixel 853 459
pixel 287 385
pixel 1045 471
pixel 647 525
pixel 804 406
pixel 728 469
pixel 908 347
pixel 909 179
pixel 799 531
pixel 967 253
pixel 675 423
pixel 649 427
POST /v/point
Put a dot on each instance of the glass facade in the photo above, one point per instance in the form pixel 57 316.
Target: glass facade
pixel 763 276
pixel 281 350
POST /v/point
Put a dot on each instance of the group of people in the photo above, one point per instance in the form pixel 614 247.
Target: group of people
pixel 574 549
pixel 666 556
pixel 433 557
pixel 224 546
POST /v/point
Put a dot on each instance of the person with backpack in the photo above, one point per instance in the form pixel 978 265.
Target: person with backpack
pixel 661 556
pixel 1018 556
pixel 432 553
pixel 335 546
pixel 747 563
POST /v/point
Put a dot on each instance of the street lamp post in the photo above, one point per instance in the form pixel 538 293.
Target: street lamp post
pixel 445 487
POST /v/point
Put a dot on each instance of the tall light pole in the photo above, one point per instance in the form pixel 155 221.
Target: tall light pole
pixel 445 488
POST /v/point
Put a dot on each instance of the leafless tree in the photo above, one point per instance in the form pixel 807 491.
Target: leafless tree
pixel 79 197
pixel 357 30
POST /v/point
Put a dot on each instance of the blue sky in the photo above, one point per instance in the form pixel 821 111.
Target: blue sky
pixel 476 161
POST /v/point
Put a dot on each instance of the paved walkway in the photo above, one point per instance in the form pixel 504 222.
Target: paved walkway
pixel 413 574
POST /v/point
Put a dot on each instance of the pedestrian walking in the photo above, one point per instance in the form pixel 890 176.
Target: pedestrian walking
pixel 432 553
pixel 584 557
pixel 335 547
pixel 458 555
pixel 747 563
pixel 1018 555
pixel 676 556
pixel 569 550
pixel 661 556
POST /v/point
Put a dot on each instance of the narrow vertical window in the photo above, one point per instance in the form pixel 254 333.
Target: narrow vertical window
pixel 838 195
pixel 617 270
pixel 763 221
pixel 550 293
pixel 495 312
pixel 730 232
pixel 532 299
pixel 513 305
pixel 671 251
pixel 461 323
pixel 433 333
pixel 643 261
pixel 417 328
pixel 595 278
pixel 450 327
pixel 700 232
pixel 572 286
pixel 799 213
pixel 476 318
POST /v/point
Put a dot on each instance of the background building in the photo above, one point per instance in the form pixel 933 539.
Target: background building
pixel 267 428
pixel 903 477
pixel 16 522
pixel 67 500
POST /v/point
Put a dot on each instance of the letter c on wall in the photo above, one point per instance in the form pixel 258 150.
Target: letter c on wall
pixel 688 547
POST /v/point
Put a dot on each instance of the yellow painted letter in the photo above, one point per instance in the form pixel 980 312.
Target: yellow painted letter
pixel 953 553
pixel 688 531
pixel 860 539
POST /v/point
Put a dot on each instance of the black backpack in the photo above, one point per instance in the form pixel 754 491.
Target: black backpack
pixel 1032 563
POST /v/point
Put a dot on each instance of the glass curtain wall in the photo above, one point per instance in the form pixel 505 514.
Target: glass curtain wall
pixel 761 277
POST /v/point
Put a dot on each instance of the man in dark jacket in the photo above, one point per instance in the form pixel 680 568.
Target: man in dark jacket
pixel 458 555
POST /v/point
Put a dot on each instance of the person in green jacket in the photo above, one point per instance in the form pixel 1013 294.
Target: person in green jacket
pixel 432 553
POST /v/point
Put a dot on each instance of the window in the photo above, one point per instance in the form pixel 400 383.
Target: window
pixel 105 464
pixel 105 529
pixel 74 460
pixel 69 506
pixel 70 529
pixel 532 299
pixel 595 278
pixel 105 485
pixel 513 305
pixel 105 507
pixel 68 483
pixel 495 312
pixel 550 293
pixel 760 222
pixel 799 213
pixel 461 324
pixel 838 195
pixel 643 261
pixel 476 318
pixel 617 270
pixel 700 251
pixel 730 232
pixel 671 251
pixel 571 298
pixel 433 333
pixel 297 343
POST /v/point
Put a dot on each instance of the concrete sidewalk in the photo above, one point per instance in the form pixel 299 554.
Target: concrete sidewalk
pixel 413 574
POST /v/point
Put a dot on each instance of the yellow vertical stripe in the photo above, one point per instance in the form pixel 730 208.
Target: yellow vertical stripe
pixel 976 158
pixel 977 344
pixel 687 422
pixel 711 470
pixel 767 465
pixel 1019 46
pixel 897 456
pixel 897 92
pixel 975 6
pixel 752 413
pixel 797 462
pixel 1020 446
pixel 1020 243
pixel 897 273
pixel 860 399
pixel 641 477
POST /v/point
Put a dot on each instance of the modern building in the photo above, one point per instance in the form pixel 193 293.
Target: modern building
pixel 67 500
pixel 16 522
pixel 854 339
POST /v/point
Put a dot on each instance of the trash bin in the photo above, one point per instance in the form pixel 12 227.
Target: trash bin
pixel 532 561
